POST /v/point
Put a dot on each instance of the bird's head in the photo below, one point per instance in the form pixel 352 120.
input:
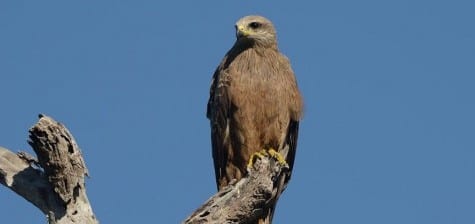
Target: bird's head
pixel 257 30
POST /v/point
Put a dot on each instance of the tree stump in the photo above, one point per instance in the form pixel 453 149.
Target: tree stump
pixel 54 182
pixel 244 201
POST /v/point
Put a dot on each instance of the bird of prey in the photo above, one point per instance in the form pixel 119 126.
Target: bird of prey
pixel 254 103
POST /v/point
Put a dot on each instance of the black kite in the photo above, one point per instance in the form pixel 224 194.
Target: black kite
pixel 254 103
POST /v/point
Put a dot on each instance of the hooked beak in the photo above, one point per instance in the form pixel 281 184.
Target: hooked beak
pixel 241 31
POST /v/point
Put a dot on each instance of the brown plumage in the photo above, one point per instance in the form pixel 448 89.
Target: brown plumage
pixel 254 103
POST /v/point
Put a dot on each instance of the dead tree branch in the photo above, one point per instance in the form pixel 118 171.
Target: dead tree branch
pixel 55 181
pixel 244 201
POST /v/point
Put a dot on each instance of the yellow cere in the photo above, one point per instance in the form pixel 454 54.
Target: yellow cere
pixel 243 31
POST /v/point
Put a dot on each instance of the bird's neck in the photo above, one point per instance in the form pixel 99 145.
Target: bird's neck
pixel 243 44
pixel 245 48
pixel 259 48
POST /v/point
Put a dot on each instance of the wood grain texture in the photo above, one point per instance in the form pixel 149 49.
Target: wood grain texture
pixel 246 201
pixel 55 181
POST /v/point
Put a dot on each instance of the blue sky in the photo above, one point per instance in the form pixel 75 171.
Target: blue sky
pixel 388 133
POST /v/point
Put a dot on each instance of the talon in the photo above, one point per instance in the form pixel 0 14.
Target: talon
pixel 259 154
pixel 279 157
pixel 263 153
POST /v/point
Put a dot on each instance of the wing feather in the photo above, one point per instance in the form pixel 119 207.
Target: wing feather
pixel 218 112
pixel 292 136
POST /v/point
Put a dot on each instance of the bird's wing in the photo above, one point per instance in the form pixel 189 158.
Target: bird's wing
pixel 291 141
pixel 295 103
pixel 218 113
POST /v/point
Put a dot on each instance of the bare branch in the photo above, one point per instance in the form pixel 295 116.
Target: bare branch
pixel 245 201
pixel 28 182
pixel 55 181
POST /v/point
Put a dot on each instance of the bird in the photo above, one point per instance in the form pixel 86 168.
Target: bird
pixel 254 103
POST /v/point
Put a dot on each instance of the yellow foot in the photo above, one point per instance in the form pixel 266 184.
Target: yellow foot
pixel 279 157
pixel 271 153
pixel 260 154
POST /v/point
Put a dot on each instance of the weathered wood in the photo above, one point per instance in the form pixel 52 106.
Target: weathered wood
pixel 55 181
pixel 244 201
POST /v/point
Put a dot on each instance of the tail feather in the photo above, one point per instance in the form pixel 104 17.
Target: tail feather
pixel 268 216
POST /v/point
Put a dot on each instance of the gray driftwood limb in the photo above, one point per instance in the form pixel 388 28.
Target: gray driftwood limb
pixel 244 201
pixel 55 181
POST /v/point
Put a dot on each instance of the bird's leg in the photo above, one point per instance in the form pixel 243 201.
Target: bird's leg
pixel 277 156
pixel 271 153
pixel 258 154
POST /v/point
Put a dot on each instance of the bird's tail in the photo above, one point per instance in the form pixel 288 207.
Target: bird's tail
pixel 269 211
pixel 269 214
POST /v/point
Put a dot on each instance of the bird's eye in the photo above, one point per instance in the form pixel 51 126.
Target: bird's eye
pixel 254 25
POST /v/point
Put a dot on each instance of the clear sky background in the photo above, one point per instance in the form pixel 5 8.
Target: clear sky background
pixel 389 129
